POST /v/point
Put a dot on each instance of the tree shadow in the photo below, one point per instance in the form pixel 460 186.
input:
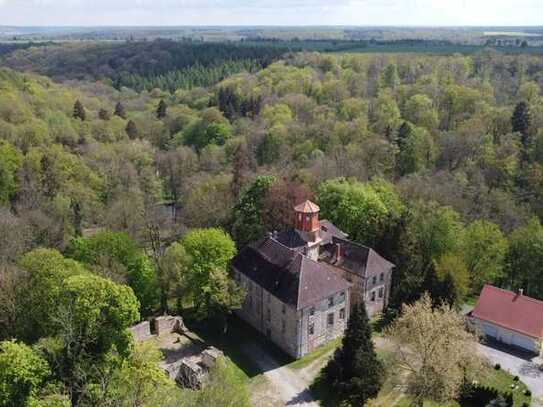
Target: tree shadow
pixel 238 344
pixel 323 393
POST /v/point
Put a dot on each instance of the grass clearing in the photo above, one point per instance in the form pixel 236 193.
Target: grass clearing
pixel 315 355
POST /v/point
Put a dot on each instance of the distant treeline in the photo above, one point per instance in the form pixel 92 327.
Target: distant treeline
pixel 145 64
pixel 9 47
pixel 172 65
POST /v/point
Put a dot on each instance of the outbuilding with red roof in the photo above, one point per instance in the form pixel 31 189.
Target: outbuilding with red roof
pixel 510 317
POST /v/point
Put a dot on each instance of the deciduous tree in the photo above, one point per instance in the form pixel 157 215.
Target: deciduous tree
pixel 430 347
pixel 22 373
pixel 212 290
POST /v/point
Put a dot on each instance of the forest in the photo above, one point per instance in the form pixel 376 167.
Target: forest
pixel 140 65
pixel 112 190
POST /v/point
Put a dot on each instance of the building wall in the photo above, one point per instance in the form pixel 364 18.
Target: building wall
pixel 317 316
pixel 377 291
pixel 364 287
pixel 508 336
pixel 276 320
pixel 287 327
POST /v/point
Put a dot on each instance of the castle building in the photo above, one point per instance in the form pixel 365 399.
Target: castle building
pixel 302 282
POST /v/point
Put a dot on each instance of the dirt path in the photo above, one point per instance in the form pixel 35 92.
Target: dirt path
pixel 291 386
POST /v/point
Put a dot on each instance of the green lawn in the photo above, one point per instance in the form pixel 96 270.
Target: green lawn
pixel 502 381
pixel 316 354
pixel 392 397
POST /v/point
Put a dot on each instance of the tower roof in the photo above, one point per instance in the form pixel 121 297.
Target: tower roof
pixel 307 207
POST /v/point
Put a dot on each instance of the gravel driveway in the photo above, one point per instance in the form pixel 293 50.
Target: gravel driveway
pixel 520 365
pixel 293 388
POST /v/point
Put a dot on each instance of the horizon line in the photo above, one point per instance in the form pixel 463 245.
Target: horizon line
pixel 274 26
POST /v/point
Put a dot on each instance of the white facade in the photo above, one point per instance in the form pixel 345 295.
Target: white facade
pixel 509 337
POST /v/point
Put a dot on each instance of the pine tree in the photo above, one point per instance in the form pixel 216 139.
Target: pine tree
pixel 103 114
pixel 355 373
pixel 161 109
pixel 404 132
pixel 79 111
pixel 241 167
pixel 132 130
pixel 521 121
pixel 119 111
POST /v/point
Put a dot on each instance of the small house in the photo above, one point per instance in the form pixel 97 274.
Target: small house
pixel 510 317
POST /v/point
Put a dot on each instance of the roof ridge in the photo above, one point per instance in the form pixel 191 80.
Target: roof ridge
pixel 354 243
pixel 523 296
pixel 300 285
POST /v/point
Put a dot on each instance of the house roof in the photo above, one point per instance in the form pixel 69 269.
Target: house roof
pixel 296 239
pixel 307 207
pixel 289 275
pixel 510 310
pixel 356 258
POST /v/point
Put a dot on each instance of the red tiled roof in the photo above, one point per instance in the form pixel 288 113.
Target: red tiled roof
pixel 510 310
pixel 307 207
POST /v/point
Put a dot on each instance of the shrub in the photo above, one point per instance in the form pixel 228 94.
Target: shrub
pixel 516 378
pixel 527 393
pixel 497 366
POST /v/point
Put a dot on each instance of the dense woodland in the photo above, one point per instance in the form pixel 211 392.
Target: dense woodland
pixel 116 204
pixel 140 65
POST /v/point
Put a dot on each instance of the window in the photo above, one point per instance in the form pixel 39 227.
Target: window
pixel 284 309
pixel 283 326
pixel 342 296
pixel 300 216
pixel 331 302
pixel 373 295
pixel 311 311
pixel 330 319
pixel 250 301
pixel 382 277
pixel 311 328
pixel 381 292
pixel 308 218
pixel 374 280
pixel 269 315
pixel 342 313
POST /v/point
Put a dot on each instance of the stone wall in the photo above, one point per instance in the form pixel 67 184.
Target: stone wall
pixel 277 321
pixel 158 326
pixel 317 317
pixel 141 331
pixel 168 324
pixel 363 287
pixel 287 327
pixel 377 291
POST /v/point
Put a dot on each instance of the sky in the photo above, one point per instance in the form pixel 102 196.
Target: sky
pixel 271 12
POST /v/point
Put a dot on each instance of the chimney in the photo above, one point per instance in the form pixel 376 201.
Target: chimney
pixel 338 252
